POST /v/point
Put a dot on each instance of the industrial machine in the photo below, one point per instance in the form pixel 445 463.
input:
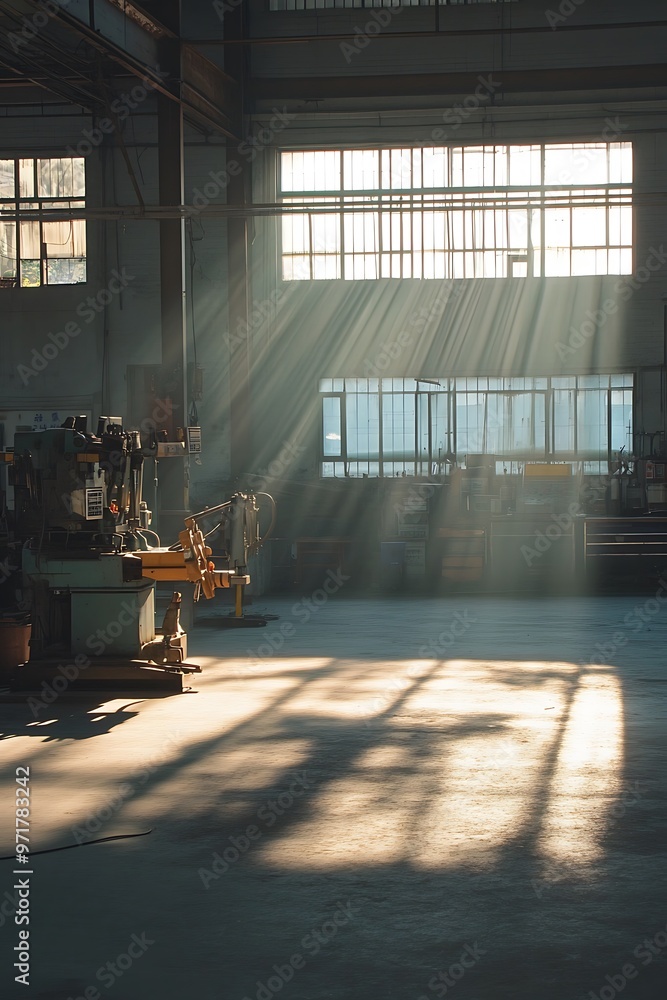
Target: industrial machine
pixel 90 561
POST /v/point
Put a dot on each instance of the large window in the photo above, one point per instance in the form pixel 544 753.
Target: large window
pixel 408 426
pixel 37 250
pixel 457 212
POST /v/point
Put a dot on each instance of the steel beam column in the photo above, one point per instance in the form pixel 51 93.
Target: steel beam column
pixel 174 494
pixel 239 192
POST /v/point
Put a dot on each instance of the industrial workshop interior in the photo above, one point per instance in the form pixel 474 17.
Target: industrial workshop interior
pixel 333 499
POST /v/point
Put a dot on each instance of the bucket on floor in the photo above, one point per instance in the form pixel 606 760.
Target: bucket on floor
pixel 14 643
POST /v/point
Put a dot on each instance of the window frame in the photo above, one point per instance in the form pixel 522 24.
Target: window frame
pixel 541 447
pixel 22 211
pixel 464 227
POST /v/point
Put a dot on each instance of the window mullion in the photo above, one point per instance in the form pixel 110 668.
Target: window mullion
pixel 416 427
pixel 17 224
pixel 310 246
pixel 380 434
pixel 485 417
pixel 341 223
pixel 429 439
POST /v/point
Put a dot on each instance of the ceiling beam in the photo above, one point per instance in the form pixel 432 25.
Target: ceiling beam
pixel 208 96
pixel 508 29
pixel 574 78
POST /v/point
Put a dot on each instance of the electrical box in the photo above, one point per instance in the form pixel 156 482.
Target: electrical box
pixel 193 440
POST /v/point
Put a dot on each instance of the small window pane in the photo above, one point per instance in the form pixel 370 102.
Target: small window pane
pixel 7 179
pixel 591 421
pixel 362 426
pixel 398 425
pixel 55 178
pixel 621 420
pixel 620 163
pixel 26 178
pixel 331 426
pixel 436 172
pixel 397 169
pixel 296 268
pixel 589 227
pixel 65 272
pixel 31 273
pixel 525 166
pixel 7 254
pixel 361 169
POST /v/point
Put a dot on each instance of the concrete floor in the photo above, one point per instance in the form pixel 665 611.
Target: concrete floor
pixel 398 799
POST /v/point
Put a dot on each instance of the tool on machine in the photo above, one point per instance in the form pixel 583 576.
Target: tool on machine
pixel 89 562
